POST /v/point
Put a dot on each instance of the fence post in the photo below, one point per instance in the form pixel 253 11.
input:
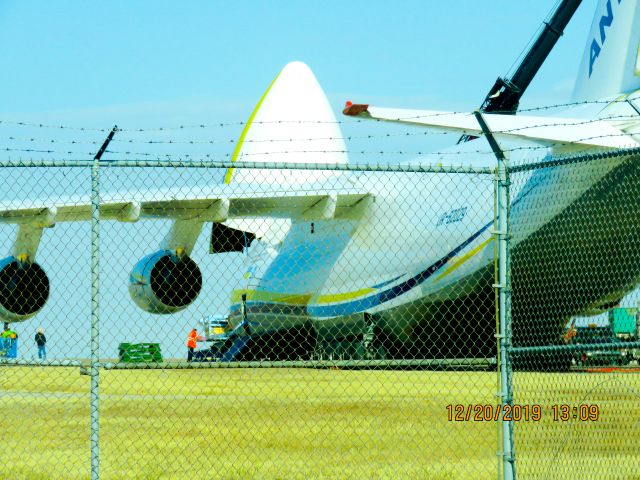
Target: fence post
pixel 504 298
pixel 95 307
pixel 95 319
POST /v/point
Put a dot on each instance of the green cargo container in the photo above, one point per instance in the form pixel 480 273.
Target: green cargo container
pixel 623 321
pixel 139 353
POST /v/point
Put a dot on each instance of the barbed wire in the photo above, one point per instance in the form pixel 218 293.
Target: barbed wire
pixel 278 140
pixel 33 150
pixel 51 140
pixel 569 124
pixel 484 151
pixel 288 152
pixel 618 117
pixel 305 139
pixel 230 140
pixel 266 153
pixel 348 137
pixel 58 126
pixel 578 103
pixel 351 120
pixel 465 152
pixel 376 152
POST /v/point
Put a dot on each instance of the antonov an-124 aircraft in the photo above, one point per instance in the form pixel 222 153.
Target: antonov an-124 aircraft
pixel 336 252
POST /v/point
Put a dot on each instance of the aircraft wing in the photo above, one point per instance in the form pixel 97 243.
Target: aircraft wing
pixel 549 131
pixel 216 203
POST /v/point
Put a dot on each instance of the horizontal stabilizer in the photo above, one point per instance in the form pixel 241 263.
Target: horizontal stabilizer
pixel 548 131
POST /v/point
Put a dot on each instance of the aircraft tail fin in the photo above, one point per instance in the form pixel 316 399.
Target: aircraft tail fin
pixel 293 123
pixel 611 60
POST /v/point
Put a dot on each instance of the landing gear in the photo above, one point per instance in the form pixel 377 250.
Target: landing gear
pixel 364 346
pixel 371 344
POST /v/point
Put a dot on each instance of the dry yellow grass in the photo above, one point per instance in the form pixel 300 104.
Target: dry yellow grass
pixel 295 423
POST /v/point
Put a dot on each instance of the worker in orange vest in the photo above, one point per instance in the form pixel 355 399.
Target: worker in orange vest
pixel 192 342
pixel 572 332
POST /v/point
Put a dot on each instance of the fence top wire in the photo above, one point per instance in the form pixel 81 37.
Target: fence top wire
pixel 451 152
pixel 549 161
pixel 555 161
pixel 435 162
pixel 212 164
pixel 222 124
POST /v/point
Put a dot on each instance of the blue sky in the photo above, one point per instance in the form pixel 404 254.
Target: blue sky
pixel 164 64
pixel 99 63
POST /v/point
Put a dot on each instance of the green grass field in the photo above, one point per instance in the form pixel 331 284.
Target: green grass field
pixel 308 424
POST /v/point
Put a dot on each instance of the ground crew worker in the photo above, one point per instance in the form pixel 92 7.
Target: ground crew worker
pixel 10 342
pixel 192 343
pixel 5 341
pixel 41 342
pixel 571 333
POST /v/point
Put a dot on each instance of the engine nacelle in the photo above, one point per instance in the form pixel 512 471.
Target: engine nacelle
pixel 24 289
pixel 165 282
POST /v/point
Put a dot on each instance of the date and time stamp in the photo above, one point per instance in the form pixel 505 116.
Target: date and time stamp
pixel 517 413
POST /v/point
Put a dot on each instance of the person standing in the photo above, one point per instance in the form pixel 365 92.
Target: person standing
pixel 192 343
pixel 41 342
pixel 10 342
pixel 5 341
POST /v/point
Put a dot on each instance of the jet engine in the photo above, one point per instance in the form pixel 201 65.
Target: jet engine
pixel 165 282
pixel 24 289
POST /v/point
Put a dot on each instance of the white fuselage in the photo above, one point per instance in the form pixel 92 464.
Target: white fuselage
pixel 426 238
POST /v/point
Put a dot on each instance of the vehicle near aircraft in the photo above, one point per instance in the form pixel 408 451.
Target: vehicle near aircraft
pixel 334 254
pixel 218 334
pixel 624 323
pixel 608 356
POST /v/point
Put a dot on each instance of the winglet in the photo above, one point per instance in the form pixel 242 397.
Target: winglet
pixel 356 110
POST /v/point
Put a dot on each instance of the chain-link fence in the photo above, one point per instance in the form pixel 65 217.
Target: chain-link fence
pixel 174 320
pixel 575 261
